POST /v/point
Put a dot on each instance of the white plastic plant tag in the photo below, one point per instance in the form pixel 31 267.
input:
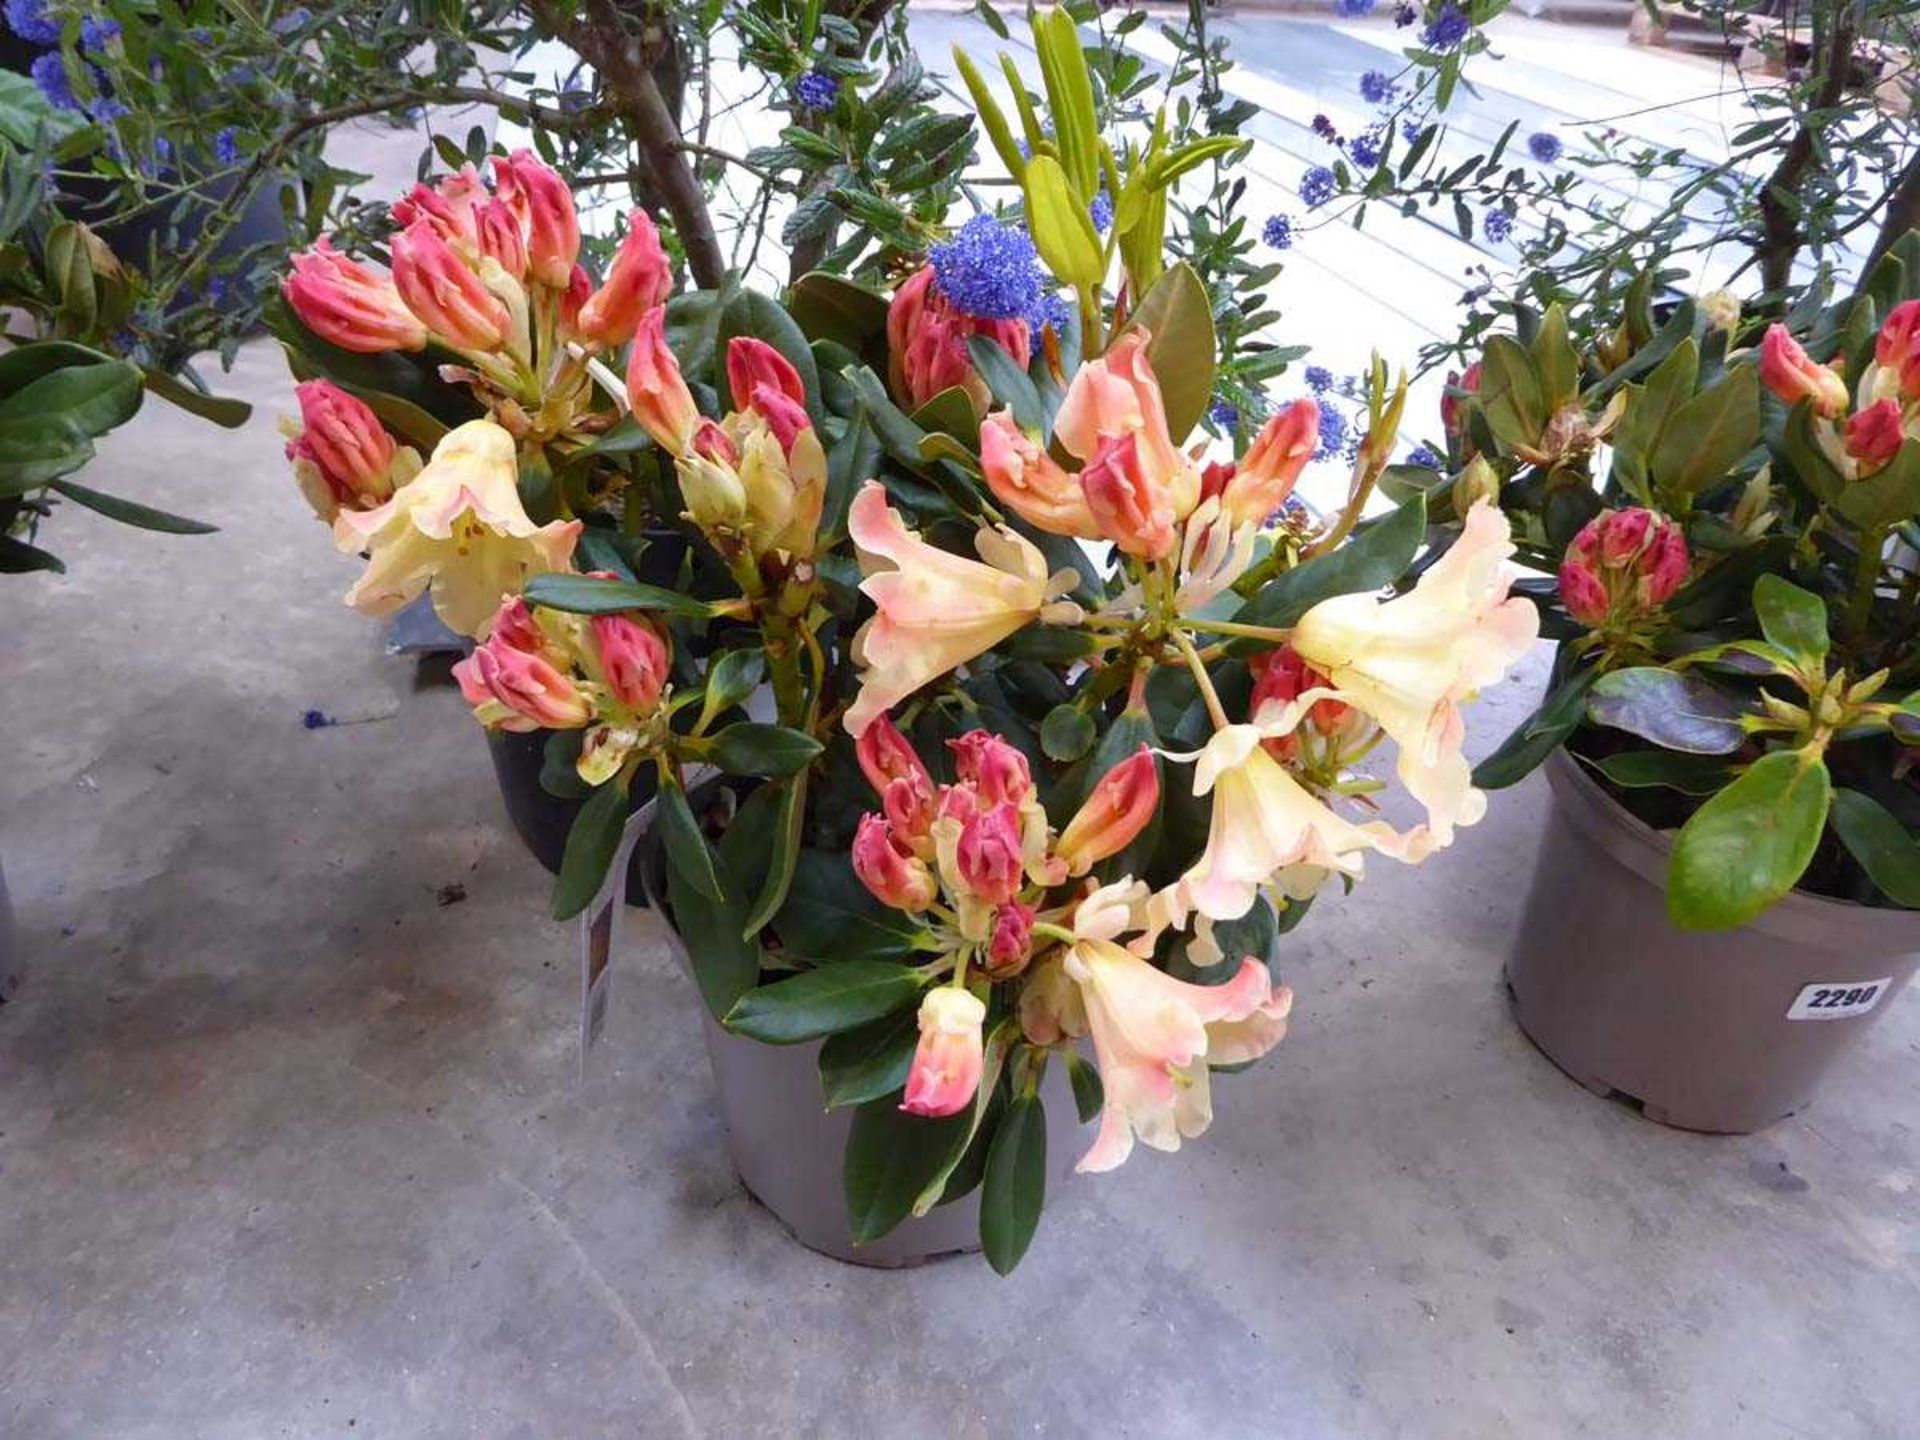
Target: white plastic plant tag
pixel 1838 999
pixel 600 935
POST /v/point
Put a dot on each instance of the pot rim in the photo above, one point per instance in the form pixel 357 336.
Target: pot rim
pixel 1801 917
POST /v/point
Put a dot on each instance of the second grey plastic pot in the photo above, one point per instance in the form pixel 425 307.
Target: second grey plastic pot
pixel 1721 1031
pixel 787 1146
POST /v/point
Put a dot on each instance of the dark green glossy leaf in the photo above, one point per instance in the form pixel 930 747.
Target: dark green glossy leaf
pixel 825 1001
pixel 128 512
pixel 829 916
pixel 1374 559
pixel 589 595
pixel 1669 769
pixel 1876 838
pixel 591 845
pixel 769 751
pixel 1748 845
pixel 1089 1093
pixel 1674 709
pixel 1792 619
pixel 869 1061
pixel 891 1157
pixel 1015 1186
pixel 687 849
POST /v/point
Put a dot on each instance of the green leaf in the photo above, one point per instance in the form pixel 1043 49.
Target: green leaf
pixel 1794 620
pixel 687 848
pixel 825 1001
pixel 1539 735
pixel 869 1061
pixel 19 558
pixel 1062 229
pixel 725 965
pixel 1066 734
pixel 1882 845
pixel 24 364
pixel 730 680
pixel 992 118
pixel 1089 1093
pixel 786 853
pixel 891 1157
pixel 769 751
pixel 830 916
pixel 1015 1187
pixel 1069 86
pixel 1010 385
pixel 591 845
pixel 128 512
pixel 1372 560
pixel 1708 434
pixel 588 595
pixel 85 400
pixel 831 307
pixel 1674 709
pixel 1671 769
pixel 1510 394
pixel 1886 497
pixel 950 412
pixel 1178 314
pixel 853 460
pixel 222 410
pixel 1649 410
pixel 1555 361
pixel 1748 845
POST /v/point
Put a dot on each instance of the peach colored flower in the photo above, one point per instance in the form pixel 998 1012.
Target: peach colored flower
pixel 349 305
pixel 1118 395
pixel 951 1057
pixel 938 610
pixel 1029 482
pixel 458 526
pixel 1122 803
pixel 1793 375
pixel 1413 661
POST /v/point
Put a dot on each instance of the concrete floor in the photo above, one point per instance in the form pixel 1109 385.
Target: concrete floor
pixel 290 1147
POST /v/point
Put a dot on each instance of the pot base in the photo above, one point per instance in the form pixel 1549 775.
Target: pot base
pixel 1710 1030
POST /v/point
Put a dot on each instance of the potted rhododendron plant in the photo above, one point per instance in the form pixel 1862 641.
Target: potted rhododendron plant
pixel 1728 884
pixel 997 734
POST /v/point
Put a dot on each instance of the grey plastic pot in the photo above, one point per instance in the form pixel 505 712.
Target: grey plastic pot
pixel 787 1146
pixel 1692 1026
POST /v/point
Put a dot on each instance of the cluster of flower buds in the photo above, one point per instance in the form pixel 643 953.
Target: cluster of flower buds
pixel 1329 736
pixel 544 670
pixel 343 458
pixel 753 481
pixel 1623 566
pixel 979 855
pixel 1861 432
pixel 927 338
pixel 493 276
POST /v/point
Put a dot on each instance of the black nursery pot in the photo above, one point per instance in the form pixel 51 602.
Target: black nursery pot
pixel 542 819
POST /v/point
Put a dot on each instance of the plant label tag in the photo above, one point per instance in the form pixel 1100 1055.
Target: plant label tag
pixel 1838 999
pixel 600 936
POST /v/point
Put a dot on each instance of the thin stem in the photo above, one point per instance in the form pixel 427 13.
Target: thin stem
pixel 1274 633
pixel 1215 709
pixel 1866 580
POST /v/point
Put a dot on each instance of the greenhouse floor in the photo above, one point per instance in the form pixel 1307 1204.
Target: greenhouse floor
pixel 293 1142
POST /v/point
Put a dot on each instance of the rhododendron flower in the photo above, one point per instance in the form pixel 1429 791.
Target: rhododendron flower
pixel 938 610
pixel 1897 348
pixel 638 283
pixel 1130 508
pixel 501 238
pixel 902 782
pixel 927 343
pixel 1453 408
pixel 544 204
pixel 349 305
pixel 445 293
pixel 1874 435
pixel 634 660
pixel 1268 828
pixel 1029 482
pixel 990 860
pixel 1411 662
pixel 1266 475
pixel 458 526
pixel 1793 375
pixel 1012 939
pixel 451 206
pixel 1118 395
pixel 511 688
pixel 1279 678
pixel 656 391
pixel 1121 804
pixel 894 875
pixel 342 456
pixel 995 770
pixel 950 1058
pixel 1154 1037
pixel 1622 565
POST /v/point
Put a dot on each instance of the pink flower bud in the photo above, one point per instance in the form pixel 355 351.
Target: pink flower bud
pixel 439 287
pixel 1664 568
pixel 640 280
pixel 1272 464
pixel 950 1059
pixel 897 776
pixel 995 770
pixel 513 689
pixel 1898 346
pixel 1790 373
pixel 1215 479
pixel 753 363
pixel 501 239
pixel 574 297
pixel 895 877
pixel 710 442
pixel 785 417
pixel 1624 534
pixel 1583 592
pixel 1874 435
pixel 1119 808
pixel 544 204
pixel 989 855
pixel 659 396
pixel 513 625
pixel 927 342
pixel 349 305
pixel 451 207
pixel 1012 940
pixel 1453 407
pixel 633 660
pixel 346 445
pixel 1132 511
pixel 1281 677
